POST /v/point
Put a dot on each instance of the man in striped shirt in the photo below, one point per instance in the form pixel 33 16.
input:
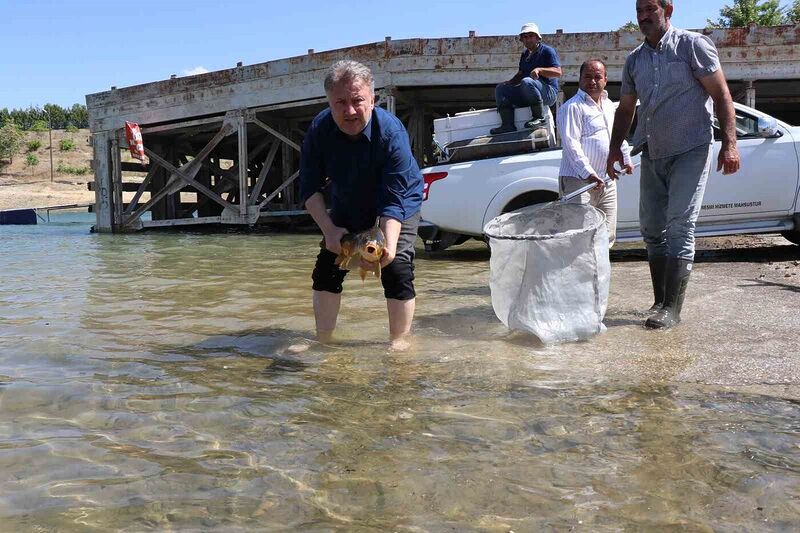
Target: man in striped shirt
pixel 585 122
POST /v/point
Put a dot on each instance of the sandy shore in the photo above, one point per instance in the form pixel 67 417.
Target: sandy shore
pixel 23 186
pixel 16 193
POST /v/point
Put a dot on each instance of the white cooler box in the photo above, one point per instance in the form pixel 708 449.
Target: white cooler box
pixel 471 124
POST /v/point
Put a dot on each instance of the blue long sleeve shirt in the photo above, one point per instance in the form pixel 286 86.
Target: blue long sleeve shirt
pixel 375 175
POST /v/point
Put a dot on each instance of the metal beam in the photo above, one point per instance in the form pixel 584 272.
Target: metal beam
pixel 274 132
pixel 262 176
pixel 178 174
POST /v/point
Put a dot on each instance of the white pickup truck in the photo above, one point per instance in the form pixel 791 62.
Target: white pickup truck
pixel 460 198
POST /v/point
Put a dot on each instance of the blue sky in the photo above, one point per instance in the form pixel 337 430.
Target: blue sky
pixel 59 51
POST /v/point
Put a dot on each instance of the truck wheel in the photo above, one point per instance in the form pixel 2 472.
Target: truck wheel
pixel 792 236
pixel 443 240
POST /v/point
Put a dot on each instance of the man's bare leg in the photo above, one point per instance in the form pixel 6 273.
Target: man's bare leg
pixel 401 314
pixel 326 310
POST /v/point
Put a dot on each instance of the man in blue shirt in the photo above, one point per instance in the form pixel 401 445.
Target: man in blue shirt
pixel 535 84
pixel 361 155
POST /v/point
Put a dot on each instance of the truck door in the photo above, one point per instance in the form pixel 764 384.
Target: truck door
pixel 766 183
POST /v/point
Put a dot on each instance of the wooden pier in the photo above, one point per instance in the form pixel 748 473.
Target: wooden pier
pixel 223 147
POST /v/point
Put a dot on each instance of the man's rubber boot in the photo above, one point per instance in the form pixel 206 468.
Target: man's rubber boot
pixel 658 265
pixel 676 278
pixel 506 121
pixel 537 116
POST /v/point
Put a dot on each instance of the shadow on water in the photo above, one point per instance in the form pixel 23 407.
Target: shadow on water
pixel 463 290
pixel 624 317
pixel 473 322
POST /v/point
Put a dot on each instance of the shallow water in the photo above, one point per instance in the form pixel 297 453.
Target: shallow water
pixel 147 383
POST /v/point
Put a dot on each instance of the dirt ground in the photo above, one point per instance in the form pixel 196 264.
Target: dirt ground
pixel 769 257
pixel 22 185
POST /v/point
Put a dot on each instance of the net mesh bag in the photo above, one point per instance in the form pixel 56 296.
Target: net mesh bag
pixel 550 271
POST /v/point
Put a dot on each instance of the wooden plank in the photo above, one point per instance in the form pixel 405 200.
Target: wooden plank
pixel 127 186
pixel 292 212
pixel 130 166
pixel 63 206
pixel 180 222
pixel 182 124
pixel 140 191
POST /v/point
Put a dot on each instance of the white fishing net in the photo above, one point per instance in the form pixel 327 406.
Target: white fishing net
pixel 550 271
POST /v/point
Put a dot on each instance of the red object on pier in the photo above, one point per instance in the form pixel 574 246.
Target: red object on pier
pixel 134 137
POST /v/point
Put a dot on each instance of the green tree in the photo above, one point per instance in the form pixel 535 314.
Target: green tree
pixel 631 26
pixel 793 14
pixel 11 139
pixel 34 145
pixel 39 126
pixel 31 161
pixel 58 116
pixel 79 116
pixel 745 12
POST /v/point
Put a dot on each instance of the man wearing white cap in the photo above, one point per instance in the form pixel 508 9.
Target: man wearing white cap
pixel 535 84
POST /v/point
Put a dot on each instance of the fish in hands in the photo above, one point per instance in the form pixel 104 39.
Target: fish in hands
pixel 368 245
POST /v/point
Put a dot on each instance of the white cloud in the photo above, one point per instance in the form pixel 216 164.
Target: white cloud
pixel 195 70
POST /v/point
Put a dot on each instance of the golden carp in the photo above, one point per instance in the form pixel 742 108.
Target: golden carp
pixel 367 245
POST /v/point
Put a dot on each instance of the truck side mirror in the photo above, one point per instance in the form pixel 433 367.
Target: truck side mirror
pixel 768 127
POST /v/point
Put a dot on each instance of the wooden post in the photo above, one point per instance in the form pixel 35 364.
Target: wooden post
pixel 750 93
pixel 241 124
pixel 116 179
pixel 420 139
pixel 101 142
pixel 389 98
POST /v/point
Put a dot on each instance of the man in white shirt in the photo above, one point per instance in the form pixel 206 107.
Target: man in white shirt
pixel 585 122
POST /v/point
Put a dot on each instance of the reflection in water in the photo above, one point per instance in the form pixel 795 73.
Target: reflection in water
pixel 149 382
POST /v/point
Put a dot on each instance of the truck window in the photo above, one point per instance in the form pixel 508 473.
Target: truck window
pixel 746 126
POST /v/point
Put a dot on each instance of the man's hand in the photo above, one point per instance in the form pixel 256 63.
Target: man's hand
pixel 728 160
pixel 600 183
pixel 333 239
pixel 615 156
pixel 535 74
pixel 388 256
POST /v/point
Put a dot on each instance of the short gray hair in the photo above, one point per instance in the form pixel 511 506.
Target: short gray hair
pixel 348 70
